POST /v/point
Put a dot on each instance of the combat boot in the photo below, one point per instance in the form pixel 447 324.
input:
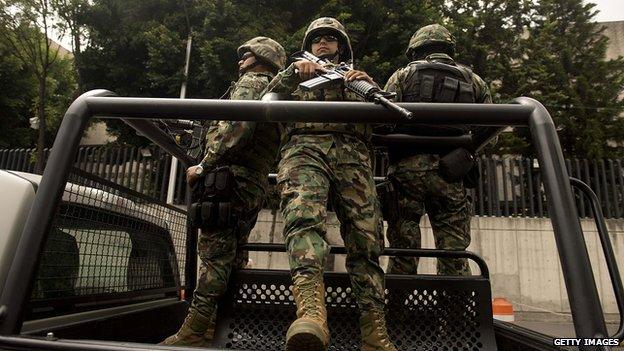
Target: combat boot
pixel 197 330
pixel 374 333
pixel 309 332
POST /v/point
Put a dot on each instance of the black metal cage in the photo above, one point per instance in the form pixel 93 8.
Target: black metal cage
pixel 107 243
pixel 581 287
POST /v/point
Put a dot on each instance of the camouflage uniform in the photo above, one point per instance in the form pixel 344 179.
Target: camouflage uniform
pixel 418 186
pixel 249 149
pixel 323 162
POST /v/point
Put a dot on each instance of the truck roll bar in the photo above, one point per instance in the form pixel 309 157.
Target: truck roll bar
pixel 580 283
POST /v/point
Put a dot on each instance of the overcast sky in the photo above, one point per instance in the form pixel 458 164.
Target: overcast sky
pixel 610 10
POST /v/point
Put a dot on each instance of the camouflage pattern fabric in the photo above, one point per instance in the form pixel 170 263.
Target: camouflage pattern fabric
pixel 323 162
pixel 428 35
pixel 419 189
pixel 250 144
pixel 249 148
pixel 286 82
pixel 265 49
pixel 328 24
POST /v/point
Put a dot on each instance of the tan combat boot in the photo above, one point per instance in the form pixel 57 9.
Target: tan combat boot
pixel 309 332
pixel 197 330
pixel 374 332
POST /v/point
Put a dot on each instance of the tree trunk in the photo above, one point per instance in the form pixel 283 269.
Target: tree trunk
pixel 77 63
pixel 42 125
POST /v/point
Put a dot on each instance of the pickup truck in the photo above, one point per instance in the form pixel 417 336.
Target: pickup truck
pixel 90 265
pixel 109 267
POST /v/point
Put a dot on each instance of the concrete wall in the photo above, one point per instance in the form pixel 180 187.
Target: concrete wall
pixel 615 32
pixel 520 252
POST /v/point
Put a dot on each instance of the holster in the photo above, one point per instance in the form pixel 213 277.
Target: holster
pixel 456 165
pixel 214 208
pixel 388 200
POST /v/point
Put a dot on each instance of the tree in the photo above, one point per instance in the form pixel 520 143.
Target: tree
pixel 25 25
pixel 61 86
pixel 564 66
pixel 137 48
pixel 549 50
pixel 18 90
pixel 71 13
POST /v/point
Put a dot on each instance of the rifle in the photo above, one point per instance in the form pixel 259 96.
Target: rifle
pixel 364 89
pixel 188 134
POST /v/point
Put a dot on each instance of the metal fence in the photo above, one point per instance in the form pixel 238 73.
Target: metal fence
pixel 512 186
pixel 509 185
pixel 145 170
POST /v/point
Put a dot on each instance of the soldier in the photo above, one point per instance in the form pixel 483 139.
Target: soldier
pixel 321 162
pixel 248 150
pixel 432 76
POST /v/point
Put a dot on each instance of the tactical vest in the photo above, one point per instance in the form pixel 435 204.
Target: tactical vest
pixel 435 79
pixel 337 93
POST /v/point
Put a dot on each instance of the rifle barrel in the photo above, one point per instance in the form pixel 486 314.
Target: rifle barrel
pixel 393 107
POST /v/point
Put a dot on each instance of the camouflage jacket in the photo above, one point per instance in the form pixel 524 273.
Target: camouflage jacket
pixel 244 143
pixel 286 83
pixel 397 83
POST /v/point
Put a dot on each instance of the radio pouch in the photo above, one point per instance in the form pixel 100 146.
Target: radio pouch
pixel 455 165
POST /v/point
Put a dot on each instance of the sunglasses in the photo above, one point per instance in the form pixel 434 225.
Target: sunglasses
pixel 328 38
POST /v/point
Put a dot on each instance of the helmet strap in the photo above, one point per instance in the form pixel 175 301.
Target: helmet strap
pixel 335 57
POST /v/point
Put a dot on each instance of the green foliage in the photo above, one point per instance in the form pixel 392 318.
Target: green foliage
pixel 546 49
pixel 563 66
pixel 61 87
pixel 26 59
pixel 19 100
pixel 18 90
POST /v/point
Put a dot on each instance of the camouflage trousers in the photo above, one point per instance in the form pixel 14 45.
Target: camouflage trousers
pixel 419 189
pixel 313 170
pixel 217 247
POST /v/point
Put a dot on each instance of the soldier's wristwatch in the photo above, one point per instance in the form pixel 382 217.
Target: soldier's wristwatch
pixel 199 170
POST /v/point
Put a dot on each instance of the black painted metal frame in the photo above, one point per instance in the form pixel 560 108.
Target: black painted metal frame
pixel 257 311
pixel 341 250
pixel 580 283
pixel 607 249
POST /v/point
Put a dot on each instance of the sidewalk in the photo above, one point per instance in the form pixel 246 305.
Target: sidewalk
pixel 557 329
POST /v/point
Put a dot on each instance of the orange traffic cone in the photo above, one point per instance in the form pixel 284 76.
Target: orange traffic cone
pixel 502 309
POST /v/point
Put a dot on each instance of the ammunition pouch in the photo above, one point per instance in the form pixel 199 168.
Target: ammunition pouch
pixel 388 200
pixel 218 184
pixel 456 165
pixel 214 210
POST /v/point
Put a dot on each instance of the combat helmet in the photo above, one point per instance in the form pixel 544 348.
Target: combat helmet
pixel 266 50
pixel 431 35
pixel 329 24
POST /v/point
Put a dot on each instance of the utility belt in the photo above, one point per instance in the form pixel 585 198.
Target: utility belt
pixel 365 138
pixel 458 165
pixel 214 209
